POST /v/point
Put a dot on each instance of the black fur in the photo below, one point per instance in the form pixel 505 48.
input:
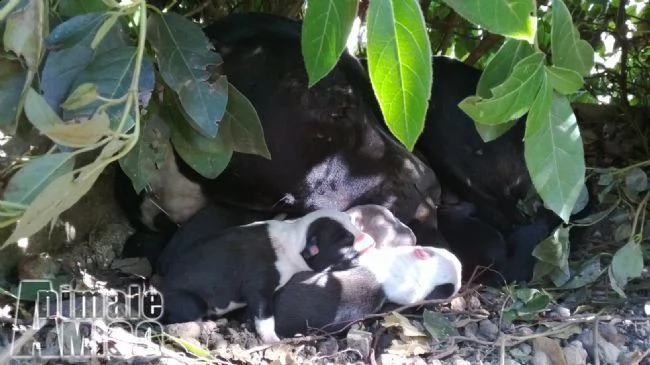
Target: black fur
pixel 328 147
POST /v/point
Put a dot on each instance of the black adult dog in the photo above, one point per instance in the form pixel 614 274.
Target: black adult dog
pixel 328 146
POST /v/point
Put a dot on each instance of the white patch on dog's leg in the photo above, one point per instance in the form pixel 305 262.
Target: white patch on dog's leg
pixel 266 330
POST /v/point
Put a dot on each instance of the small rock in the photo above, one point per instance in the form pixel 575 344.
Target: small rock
pixel 360 341
pixel 521 353
pixel 610 333
pixel 185 330
pixel 541 358
pixel 646 308
pixel 510 361
pixel 471 329
pixel 563 311
pixel 575 354
pixel 474 302
pixel 458 304
pixel 459 361
pixel 607 351
pixel 328 347
pixel 488 330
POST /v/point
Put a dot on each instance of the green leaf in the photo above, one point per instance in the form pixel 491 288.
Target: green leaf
pixel 209 164
pixel 399 61
pixel 533 301
pixel 111 71
pixel 490 132
pixel 627 264
pixel 82 134
pixel 554 251
pixel 39 112
pixel 511 99
pixel 70 8
pixel 184 54
pixel 83 95
pixel 587 273
pixel 24 33
pixel 35 175
pixel 150 151
pixel 70 53
pixel 438 325
pixel 75 30
pixel 325 30
pixel 568 50
pixel 12 79
pixel 56 198
pixel 501 65
pixel 563 80
pixel 553 151
pixel 104 29
pixel 241 129
pixel 207 156
pixel 191 346
pixel 512 18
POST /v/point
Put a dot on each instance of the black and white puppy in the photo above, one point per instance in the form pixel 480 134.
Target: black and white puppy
pixel 381 225
pixel 245 265
pixel 330 300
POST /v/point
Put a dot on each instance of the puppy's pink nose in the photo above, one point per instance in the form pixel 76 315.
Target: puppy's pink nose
pixel 363 243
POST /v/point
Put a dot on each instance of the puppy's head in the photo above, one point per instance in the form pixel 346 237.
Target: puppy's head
pixel 381 225
pixel 332 240
pixel 411 274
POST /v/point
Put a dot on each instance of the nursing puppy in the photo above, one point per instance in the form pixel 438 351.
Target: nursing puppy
pixel 381 225
pixel 245 265
pixel 330 300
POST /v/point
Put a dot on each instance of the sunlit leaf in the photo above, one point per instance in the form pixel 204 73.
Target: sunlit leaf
pixel 61 194
pixel 83 95
pixel 553 151
pixel 501 65
pixel 25 30
pixel 325 30
pixel 567 49
pixel 39 112
pixel 399 61
pixel 82 134
pixel 513 18
pixel 563 80
pixel 490 132
pixel 512 98
pixel 35 175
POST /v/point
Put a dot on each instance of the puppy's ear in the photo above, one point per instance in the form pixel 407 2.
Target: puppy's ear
pixel 356 218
